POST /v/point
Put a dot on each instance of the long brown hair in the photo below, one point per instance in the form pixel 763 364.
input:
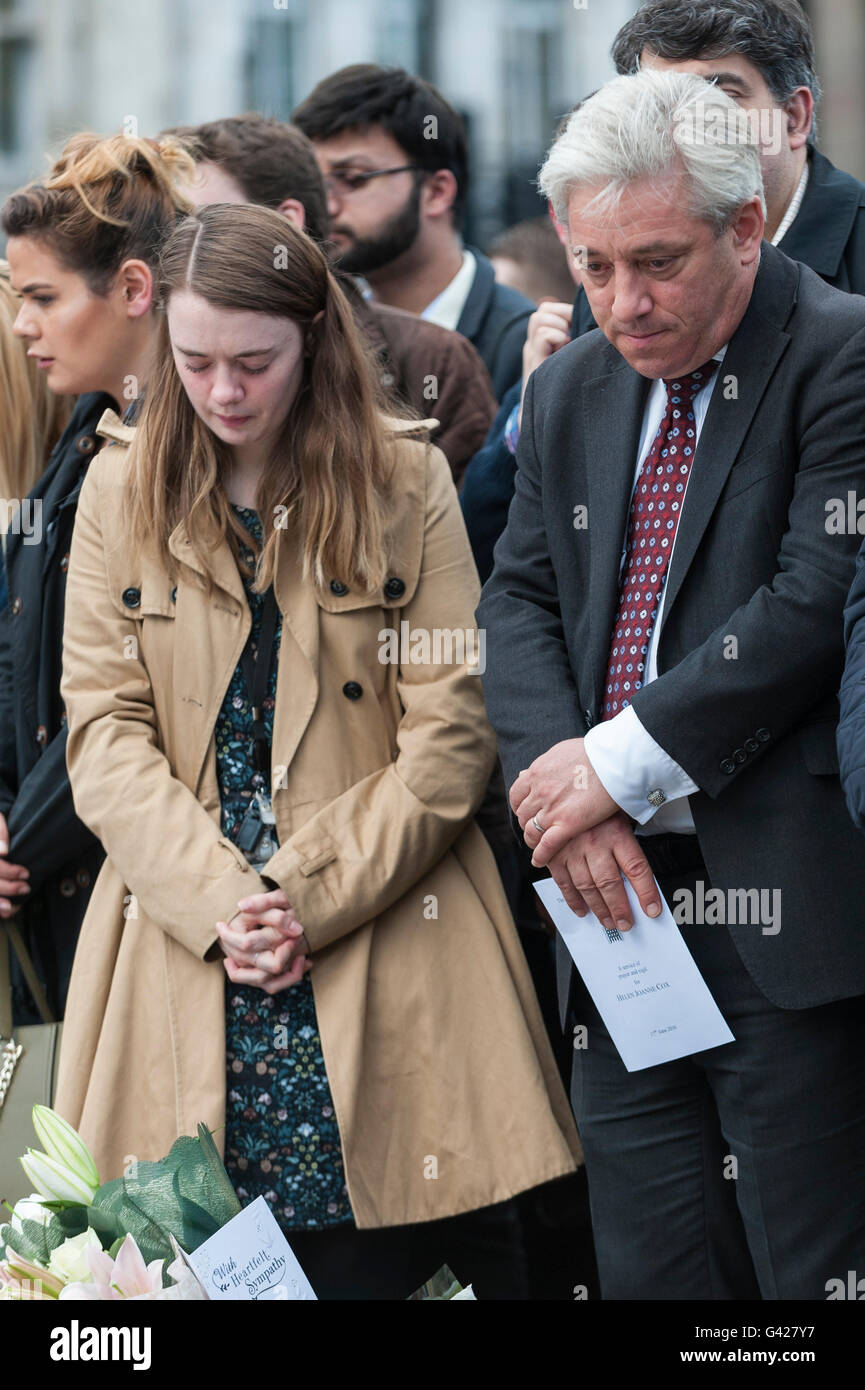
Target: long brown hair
pixel 33 417
pixel 329 472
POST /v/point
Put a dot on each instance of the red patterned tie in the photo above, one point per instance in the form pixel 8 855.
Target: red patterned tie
pixel 655 510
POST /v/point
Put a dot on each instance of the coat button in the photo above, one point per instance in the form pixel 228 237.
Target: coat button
pixel 740 756
pixel 64 563
pixel 67 887
pixel 82 878
pixel 751 745
pixel 85 444
pixel 174 594
pixel 763 735
pixel 338 588
pixel 131 597
pixel 16 606
pixel 394 588
pixel 42 735
pixel 728 766
pixel 352 690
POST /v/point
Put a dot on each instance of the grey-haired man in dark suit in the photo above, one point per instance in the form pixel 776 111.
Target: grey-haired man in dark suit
pixel 665 619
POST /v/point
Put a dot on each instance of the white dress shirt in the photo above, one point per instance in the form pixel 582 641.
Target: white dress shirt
pixel 628 761
pixel 793 207
pixel 447 307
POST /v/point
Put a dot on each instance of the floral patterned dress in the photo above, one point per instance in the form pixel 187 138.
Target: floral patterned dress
pixel 281 1134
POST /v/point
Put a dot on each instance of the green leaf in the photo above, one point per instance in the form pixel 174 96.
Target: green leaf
pixel 19 1243
pixel 187 1194
pixel 76 1220
pixel 34 1241
pixel 123 1217
pixel 222 1184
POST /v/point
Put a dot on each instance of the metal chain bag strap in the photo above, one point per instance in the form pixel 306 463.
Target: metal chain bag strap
pixel 28 1066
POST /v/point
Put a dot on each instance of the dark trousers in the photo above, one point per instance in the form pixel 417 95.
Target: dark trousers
pixel 482 1248
pixel 739 1172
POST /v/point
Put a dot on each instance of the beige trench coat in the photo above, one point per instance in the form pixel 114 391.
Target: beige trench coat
pixel 443 1081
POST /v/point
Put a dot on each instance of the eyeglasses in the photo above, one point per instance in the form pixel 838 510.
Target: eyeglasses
pixel 350 180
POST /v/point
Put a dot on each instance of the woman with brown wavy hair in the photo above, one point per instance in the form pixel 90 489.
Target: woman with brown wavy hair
pixel 82 246
pixel 33 417
pixel 299 933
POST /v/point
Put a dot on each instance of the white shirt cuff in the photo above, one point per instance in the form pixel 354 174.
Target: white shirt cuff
pixel 633 768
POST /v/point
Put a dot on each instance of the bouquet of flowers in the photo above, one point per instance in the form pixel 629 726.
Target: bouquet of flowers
pixel 78 1238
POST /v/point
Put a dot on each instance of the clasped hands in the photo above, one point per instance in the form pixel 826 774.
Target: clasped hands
pixel 264 944
pixel 587 842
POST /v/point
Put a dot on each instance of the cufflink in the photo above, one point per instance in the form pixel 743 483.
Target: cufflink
pixel 657 797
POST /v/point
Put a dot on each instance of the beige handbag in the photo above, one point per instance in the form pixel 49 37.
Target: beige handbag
pixel 28 1067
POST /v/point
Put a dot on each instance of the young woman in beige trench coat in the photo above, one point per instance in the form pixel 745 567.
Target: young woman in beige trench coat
pixel 445 1090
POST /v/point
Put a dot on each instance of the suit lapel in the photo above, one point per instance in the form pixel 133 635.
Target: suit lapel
pixel 612 420
pixel 751 358
pixel 478 299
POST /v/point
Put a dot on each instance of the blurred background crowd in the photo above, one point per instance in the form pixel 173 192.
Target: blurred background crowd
pixel 511 68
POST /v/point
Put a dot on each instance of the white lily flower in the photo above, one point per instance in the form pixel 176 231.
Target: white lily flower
pixel 64 1144
pixel 54 1181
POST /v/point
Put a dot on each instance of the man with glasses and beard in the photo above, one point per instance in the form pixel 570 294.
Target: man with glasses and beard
pixel 393 155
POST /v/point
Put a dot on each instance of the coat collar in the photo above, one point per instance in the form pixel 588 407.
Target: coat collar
pixel 821 230
pixel 225 573
pixel 292 592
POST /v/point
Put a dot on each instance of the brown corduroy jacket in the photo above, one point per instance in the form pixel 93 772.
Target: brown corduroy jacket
pixel 436 373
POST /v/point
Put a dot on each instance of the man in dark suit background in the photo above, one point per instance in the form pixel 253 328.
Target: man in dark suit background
pixel 394 158
pixel 761 52
pixel 664 618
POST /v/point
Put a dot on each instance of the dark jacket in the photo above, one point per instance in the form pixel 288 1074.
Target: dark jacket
pixel 851 726
pixel 753 560
pixel 828 232
pixel 495 318
pixel 436 373
pixel 488 487
pixel 488 483
pixel 62 855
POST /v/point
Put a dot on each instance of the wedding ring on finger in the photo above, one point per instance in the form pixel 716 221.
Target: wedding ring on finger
pixel 536 823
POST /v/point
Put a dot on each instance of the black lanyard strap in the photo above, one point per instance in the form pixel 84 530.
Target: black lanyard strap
pixel 256 671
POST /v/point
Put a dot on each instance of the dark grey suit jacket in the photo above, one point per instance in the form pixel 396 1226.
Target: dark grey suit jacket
pixel 495 319
pixel 784 434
